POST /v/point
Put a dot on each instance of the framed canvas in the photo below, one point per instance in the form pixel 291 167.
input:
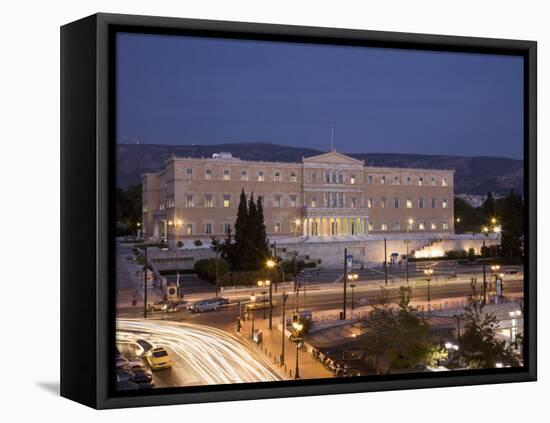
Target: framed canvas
pixel 258 211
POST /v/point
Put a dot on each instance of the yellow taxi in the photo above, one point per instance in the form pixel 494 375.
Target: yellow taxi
pixel 158 359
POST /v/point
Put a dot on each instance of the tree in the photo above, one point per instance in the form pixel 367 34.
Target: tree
pixel 489 208
pixel 414 344
pixel 128 207
pixel 262 243
pixel 242 234
pixel 479 346
pixel 512 226
pixel 254 258
pixel 380 335
pixel 398 339
pixel 468 218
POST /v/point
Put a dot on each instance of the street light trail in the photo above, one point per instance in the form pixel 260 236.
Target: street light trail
pixel 210 355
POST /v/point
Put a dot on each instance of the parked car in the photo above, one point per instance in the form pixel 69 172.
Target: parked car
pixel 158 359
pixel 158 306
pixel 141 376
pixel 205 305
pixel 510 273
pixel 127 386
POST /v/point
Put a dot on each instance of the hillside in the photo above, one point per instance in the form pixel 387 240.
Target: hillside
pixel 473 175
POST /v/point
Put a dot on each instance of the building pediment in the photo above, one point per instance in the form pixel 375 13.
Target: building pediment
pixel 333 157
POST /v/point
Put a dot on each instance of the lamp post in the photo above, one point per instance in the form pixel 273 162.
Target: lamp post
pixel 297 329
pixel 145 283
pixel 252 300
pixel 283 328
pixel 270 265
pixel 409 227
pixel 345 282
pixel 352 277
pixel 262 284
pixel 429 273
pixel 177 225
pixel 494 273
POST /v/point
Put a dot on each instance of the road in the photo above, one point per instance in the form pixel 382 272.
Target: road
pixel 201 355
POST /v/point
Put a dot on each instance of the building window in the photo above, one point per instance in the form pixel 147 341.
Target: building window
pixel 396 226
pixel 352 180
pixel 396 203
pixel 208 174
pixel 226 228
pixel 421 225
pixel 293 226
pixel 432 201
pixel 396 180
pixel 277 201
pixel 410 225
pixel 369 179
pixel 189 229
pixel 383 226
pixel 340 178
pixel 208 200
pixel 293 177
pixel 208 228
pixel 433 180
pixel 277 227
pixel 371 226
pixel 292 201
pixel 433 225
pixel 444 182
pixel 277 176
pixel 383 202
pixel 409 180
pixel 313 201
pixel 189 200
pixel 445 225
pixel 444 203
pixel 244 175
pixel 383 180
pixel 369 203
pixel 227 200
pixel 261 177
pixel 189 173
pixel 353 202
pixel 314 178
pixel 226 175
pixel 334 176
pixel 420 181
pixel 409 203
pixel 421 203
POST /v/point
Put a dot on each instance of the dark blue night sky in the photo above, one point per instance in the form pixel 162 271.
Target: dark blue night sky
pixel 183 90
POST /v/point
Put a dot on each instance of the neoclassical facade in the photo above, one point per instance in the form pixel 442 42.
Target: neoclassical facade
pixel 328 197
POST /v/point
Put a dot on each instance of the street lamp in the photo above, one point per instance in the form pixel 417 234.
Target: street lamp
pixel 297 329
pixel 409 227
pixel 297 223
pixel 262 284
pixel 352 277
pixel 429 273
pixel 270 265
pixel 252 300
pixel 177 225
pixel 283 328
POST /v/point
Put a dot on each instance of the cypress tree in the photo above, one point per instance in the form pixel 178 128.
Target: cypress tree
pixel 489 207
pixel 262 243
pixel 242 232
pixel 253 258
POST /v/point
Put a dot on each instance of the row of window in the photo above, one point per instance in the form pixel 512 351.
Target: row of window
pixel 330 177
pixel 331 199
pixel 245 175
pixel 409 180
pixel 190 200
pixel 421 225
pixel 409 203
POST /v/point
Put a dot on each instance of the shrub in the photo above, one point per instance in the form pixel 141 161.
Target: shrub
pixel 179 244
pixel 206 269
pixel 198 243
pixel 456 254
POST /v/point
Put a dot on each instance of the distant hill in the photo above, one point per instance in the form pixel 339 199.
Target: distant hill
pixel 473 175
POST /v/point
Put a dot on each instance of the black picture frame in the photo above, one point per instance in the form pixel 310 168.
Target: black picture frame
pixel 87 226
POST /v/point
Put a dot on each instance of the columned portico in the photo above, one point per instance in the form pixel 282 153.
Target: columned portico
pixel 321 223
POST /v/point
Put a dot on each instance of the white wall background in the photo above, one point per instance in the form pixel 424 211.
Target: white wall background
pixel 29 129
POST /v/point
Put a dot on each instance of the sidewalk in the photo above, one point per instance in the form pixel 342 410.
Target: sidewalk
pixel 309 367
